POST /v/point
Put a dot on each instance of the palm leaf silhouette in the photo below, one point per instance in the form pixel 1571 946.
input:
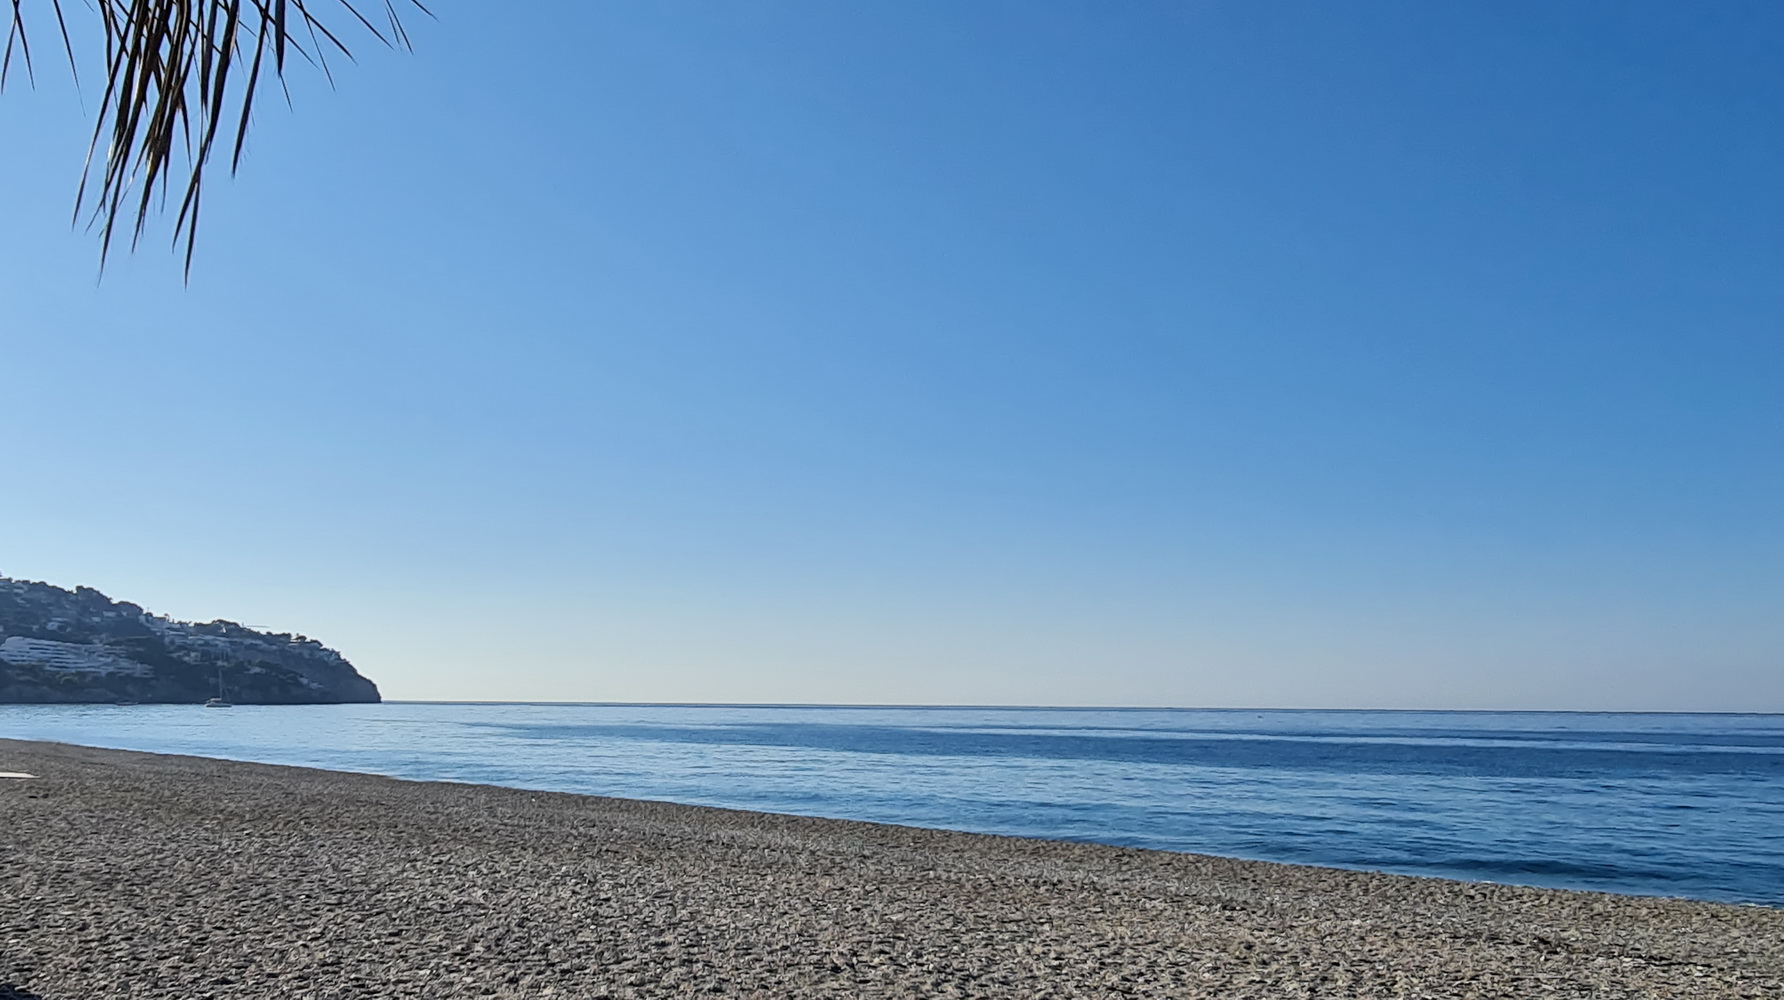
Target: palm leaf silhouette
pixel 179 76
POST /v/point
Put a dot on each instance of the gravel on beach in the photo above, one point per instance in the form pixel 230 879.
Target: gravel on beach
pixel 140 875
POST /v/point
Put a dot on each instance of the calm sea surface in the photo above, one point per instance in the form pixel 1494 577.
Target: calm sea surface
pixel 1684 805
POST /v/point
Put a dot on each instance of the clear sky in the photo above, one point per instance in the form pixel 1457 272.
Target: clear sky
pixel 1292 354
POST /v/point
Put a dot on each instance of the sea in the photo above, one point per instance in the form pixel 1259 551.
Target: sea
pixel 1653 804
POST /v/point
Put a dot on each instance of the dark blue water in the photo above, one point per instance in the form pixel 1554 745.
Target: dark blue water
pixel 1683 805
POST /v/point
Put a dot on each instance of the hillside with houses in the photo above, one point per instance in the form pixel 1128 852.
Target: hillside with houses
pixel 80 646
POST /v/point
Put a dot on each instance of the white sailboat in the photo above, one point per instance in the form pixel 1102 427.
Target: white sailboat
pixel 218 701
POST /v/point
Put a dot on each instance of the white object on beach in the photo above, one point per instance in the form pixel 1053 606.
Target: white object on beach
pixel 16 774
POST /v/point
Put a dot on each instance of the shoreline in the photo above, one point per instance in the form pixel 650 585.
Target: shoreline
pixel 1677 807
pixel 137 874
pixel 1450 879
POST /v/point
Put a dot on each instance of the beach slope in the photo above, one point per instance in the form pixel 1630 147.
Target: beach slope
pixel 138 875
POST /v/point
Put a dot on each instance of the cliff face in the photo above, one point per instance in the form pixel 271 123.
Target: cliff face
pixel 80 646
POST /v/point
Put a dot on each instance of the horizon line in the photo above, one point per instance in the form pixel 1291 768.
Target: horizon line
pixel 1057 708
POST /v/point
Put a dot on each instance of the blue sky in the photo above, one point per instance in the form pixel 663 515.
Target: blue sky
pixel 1299 354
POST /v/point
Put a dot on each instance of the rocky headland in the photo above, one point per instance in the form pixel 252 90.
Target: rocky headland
pixel 80 646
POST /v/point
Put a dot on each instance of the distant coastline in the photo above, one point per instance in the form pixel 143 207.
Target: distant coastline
pixel 60 646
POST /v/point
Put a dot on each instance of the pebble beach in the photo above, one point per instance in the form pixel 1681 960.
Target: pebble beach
pixel 138 875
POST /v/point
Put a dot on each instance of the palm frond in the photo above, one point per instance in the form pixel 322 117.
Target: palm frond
pixel 178 75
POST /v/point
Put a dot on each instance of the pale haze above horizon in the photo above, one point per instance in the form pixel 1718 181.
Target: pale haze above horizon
pixel 1393 355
